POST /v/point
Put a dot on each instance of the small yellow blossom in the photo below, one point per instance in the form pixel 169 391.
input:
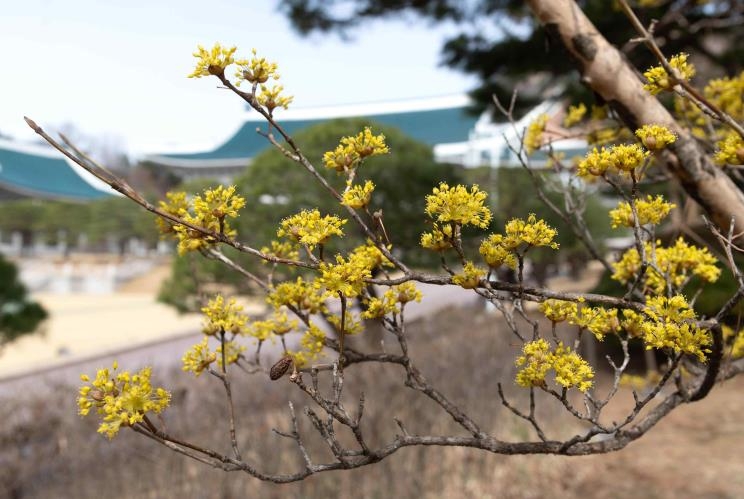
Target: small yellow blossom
pixel 198 358
pixel 633 323
pixel 271 98
pixel 627 158
pixel 533 136
pixel 121 399
pixel 650 211
pixel 358 196
pixel 219 203
pixel 223 317
pixel 370 256
pixel 299 294
pixel 376 308
pixel 676 263
pixel 574 115
pixel 439 239
pixel 345 276
pixel 624 158
pixel 672 326
pixel 570 369
pixel 532 232
pixel 283 249
pixel 312 341
pixel 558 310
pixel 388 304
pixel 655 137
pixel 597 320
pixel 256 70
pixel 177 205
pixel 278 324
pixel 470 277
pixel 495 254
pixel 536 361
pixel 310 228
pixel 210 211
pixel 406 292
pixel 457 205
pixel 212 62
pixel 352 325
pixel 659 80
pixel 354 149
pixel 730 150
pixel 596 163
pixel 726 93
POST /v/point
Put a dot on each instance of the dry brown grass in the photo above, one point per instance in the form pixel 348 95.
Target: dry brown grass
pixel 47 451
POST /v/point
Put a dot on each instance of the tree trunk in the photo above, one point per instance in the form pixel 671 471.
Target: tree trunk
pixel 604 69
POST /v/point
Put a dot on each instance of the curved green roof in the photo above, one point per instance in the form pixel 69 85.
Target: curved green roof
pixel 41 173
pixel 435 126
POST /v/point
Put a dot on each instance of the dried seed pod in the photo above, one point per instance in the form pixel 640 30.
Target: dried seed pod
pixel 280 368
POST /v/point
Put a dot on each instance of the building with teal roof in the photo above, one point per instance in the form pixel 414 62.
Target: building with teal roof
pixel 447 124
pixel 445 120
pixel 40 172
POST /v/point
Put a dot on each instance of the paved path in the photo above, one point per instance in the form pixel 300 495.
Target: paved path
pixel 135 331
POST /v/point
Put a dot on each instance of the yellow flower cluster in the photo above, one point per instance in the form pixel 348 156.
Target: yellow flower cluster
pixel 353 150
pixel 271 97
pixel 597 320
pixel 727 94
pixel 737 345
pixel 300 294
pixel 659 80
pixel 256 70
pixel 312 343
pixel 532 232
pixel 310 228
pixel 370 256
pixel 557 310
pixel 177 205
pixel 622 158
pixel 677 263
pixel 388 304
pixel 223 317
pixel 358 196
pixel 574 115
pixel 212 62
pixel 345 276
pixel 281 249
pixel 730 150
pixel 533 136
pixel 439 239
pixel 672 326
pixel 650 211
pixel 210 210
pixel 655 137
pixel 637 382
pixel 495 254
pixel 570 369
pixel 198 358
pixel 352 325
pixel 278 324
pixel 458 205
pixel 121 399
pixel 470 277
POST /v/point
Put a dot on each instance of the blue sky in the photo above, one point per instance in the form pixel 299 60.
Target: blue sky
pixel 117 70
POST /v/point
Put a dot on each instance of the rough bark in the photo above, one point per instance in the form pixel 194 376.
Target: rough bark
pixel 608 73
